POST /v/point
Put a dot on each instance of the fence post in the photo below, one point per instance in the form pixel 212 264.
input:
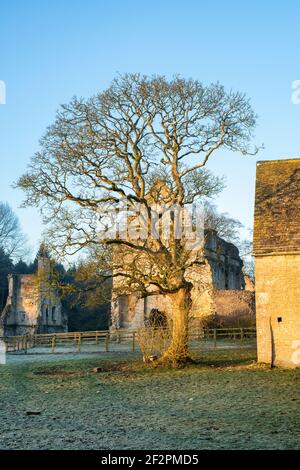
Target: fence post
pixel 25 345
pixel 119 338
pixel 133 341
pixel 53 343
pixel 79 343
pixel 215 338
pixel 97 337
pixel 200 331
pixel 106 342
pixel 242 334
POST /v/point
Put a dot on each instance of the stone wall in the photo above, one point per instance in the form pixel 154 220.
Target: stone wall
pixel 234 308
pixel 221 271
pixel 33 306
pixel 227 307
pixel 225 262
pixel 19 316
pixel 278 307
pixel 131 312
pixel 276 248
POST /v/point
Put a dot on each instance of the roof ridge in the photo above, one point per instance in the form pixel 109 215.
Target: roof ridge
pixel 296 159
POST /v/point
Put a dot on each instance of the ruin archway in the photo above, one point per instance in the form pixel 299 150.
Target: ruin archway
pixel 157 319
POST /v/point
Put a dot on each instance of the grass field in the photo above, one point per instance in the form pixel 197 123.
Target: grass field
pixel 226 401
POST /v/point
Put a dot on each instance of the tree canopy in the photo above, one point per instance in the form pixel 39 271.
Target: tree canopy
pixel 12 239
pixel 145 140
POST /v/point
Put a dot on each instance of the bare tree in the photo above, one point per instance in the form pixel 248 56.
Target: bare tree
pixel 225 226
pixel 123 143
pixel 12 239
pixel 245 248
pixel 228 228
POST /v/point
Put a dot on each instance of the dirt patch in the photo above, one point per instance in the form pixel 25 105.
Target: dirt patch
pixel 59 373
pixel 115 367
pixel 104 368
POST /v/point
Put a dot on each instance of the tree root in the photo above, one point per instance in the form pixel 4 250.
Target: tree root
pixel 175 359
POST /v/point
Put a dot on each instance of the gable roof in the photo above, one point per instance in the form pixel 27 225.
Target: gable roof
pixel 277 207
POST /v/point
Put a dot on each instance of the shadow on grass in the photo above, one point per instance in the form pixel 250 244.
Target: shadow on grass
pixel 134 366
pixel 221 359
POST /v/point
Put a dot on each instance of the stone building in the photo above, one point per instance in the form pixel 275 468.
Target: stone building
pixel 277 261
pixel 218 291
pixel 33 306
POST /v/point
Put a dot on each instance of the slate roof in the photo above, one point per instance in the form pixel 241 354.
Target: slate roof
pixel 277 207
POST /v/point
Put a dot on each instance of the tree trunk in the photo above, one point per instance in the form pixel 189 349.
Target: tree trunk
pixel 178 351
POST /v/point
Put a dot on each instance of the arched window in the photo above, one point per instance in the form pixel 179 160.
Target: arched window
pixel 53 316
pixel 157 319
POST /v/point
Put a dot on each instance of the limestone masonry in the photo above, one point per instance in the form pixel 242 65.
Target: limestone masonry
pixel 218 292
pixel 33 306
pixel 277 262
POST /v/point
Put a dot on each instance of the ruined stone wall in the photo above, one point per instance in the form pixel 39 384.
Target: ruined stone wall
pixel 33 306
pixel 19 316
pixel 234 308
pixel 221 270
pixel 249 283
pixel 278 309
pixel 226 264
pixel 131 312
pixel 225 307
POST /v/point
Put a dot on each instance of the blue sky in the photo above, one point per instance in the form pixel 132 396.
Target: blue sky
pixel 52 50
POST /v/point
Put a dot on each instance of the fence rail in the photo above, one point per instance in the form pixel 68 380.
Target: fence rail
pixel 15 343
pixel 105 338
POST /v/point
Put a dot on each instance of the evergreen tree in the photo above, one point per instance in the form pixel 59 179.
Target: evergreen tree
pixel 6 267
pixel 21 267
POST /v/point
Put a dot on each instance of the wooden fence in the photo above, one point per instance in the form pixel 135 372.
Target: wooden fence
pixel 106 338
pixel 229 333
pixel 16 343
